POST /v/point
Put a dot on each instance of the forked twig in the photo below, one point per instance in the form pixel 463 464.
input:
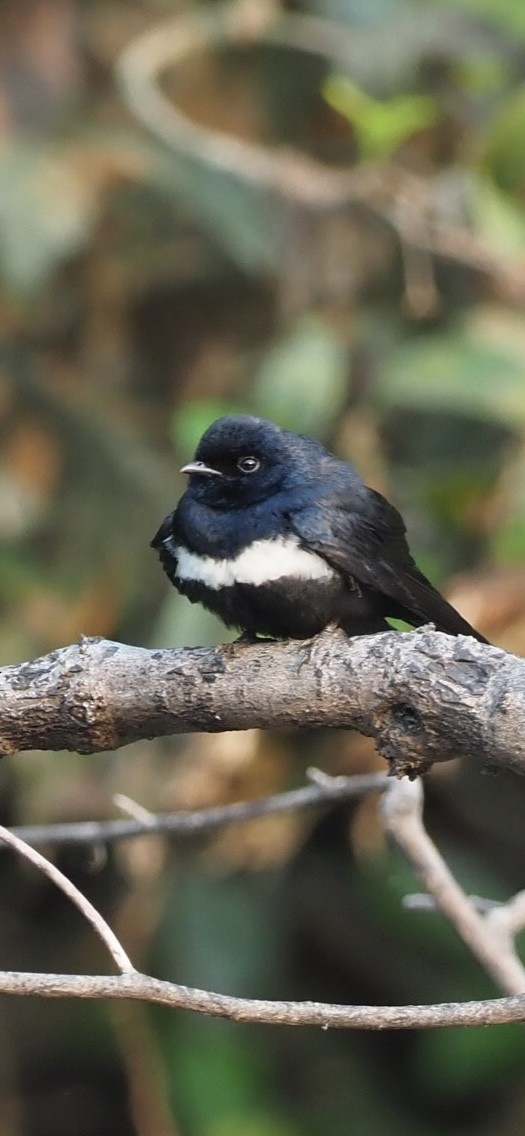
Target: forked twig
pixel 89 912
pixel 489 936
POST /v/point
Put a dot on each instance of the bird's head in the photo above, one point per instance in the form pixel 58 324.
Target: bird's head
pixel 241 460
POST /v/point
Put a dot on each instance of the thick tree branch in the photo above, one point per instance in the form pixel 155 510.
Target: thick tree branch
pixel 424 697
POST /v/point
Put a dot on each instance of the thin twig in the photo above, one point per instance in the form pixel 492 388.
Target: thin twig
pixel 324 1015
pixel 402 809
pixel 422 901
pixel 134 809
pixel 89 912
pixel 403 815
pixel 185 824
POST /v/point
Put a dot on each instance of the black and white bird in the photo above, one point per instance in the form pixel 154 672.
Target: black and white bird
pixel 278 537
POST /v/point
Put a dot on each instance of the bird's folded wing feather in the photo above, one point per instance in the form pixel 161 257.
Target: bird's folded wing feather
pixel 366 541
pixel 166 553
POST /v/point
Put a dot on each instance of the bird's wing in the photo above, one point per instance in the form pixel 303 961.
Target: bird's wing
pixel 163 542
pixel 366 541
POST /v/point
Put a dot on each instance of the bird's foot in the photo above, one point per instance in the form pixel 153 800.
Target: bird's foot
pixel 246 639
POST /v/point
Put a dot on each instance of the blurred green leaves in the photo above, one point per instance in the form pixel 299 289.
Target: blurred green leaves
pixel 222 1075
pixel 507 14
pixel 476 369
pixel 46 214
pixel 381 125
pixel 301 381
pixel 458 1062
pixel 192 419
pixel 497 218
pixel 504 150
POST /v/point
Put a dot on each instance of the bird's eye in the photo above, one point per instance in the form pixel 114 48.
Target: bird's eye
pixel 248 464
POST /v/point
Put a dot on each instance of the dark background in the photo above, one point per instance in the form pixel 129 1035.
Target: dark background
pixel 143 292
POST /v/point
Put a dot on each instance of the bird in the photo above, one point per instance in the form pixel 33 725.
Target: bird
pixel 281 539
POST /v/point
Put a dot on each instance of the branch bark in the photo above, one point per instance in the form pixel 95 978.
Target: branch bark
pixel 424 696
pixel 493 1011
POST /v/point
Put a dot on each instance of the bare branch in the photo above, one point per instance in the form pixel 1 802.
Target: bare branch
pixel 508 919
pixel 89 912
pixel 198 821
pixel 146 58
pixel 405 202
pixel 422 901
pixel 492 944
pixel 422 696
pixel 486 935
pixel 324 1015
pixel 135 810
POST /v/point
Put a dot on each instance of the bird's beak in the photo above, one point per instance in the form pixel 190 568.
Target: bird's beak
pixel 200 469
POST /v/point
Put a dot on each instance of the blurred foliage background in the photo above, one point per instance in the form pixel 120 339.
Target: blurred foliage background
pixel 353 268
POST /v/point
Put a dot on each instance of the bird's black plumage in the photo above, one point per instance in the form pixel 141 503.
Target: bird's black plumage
pixel 278 537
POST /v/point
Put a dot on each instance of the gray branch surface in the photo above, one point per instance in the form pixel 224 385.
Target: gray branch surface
pixel 494 1011
pixel 423 696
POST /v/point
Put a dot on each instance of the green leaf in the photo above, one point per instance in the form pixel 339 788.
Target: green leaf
pixel 508 543
pixel 193 418
pixel 476 370
pixel 496 217
pixel 381 126
pixel 504 156
pixel 301 382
